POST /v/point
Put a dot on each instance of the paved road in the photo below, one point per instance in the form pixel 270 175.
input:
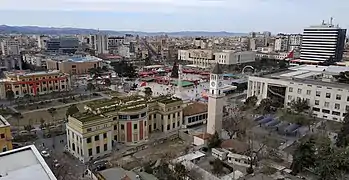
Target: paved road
pixel 63 105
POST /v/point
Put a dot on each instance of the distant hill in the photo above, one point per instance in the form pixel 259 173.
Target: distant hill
pixel 55 31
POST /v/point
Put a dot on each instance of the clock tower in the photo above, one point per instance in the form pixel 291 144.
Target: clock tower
pixel 215 101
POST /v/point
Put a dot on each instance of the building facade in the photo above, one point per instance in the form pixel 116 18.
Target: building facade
pixel 233 58
pixel 5 135
pixel 327 98
pixel 10 47
pixel 126 120
pixel 321 43
pixel 34 83
pixel 76 64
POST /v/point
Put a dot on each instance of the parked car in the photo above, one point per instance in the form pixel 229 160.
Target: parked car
pixel 45 154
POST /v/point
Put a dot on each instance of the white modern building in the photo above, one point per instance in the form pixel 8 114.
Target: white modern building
pixel 10 47
pixel 328 98
pixel 24 163
pixel 232 57
pixel 287 42
pixel 320 43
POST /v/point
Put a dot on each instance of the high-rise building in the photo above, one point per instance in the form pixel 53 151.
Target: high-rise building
pixel 320 43
pixel 10 47
pixel 101 44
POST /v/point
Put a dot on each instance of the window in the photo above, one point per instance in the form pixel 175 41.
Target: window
pixel 178 114
pixel 337 106
pixel 104 135
pixel 89 130
pixel 115 127
pixel 290 89
pixel 316 109
pixel 326 111
pixel 338 97
pixel 174 115
pixel 145 123
pixel 143 114
pixel 299 91
pixel 327 104
pixel 169 116
pixel 168 127
pixel 98 150
pixel 122 127
pixel 328 95
pixel 308 92
pixel 318 93
pixel 348 98
pixel 90 152
pixel 97 138
pixel 122 116
pixel 336 113
pixel 173 125
pixel 136 116
pixel 105 147
pixel 346 108
pixel 2 136
pixel 88 140
pixel 154 116
pixel 135 126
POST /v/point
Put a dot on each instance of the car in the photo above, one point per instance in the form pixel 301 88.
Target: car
pixel 45 154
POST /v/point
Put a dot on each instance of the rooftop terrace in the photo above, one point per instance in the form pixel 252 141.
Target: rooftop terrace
pixel 99 109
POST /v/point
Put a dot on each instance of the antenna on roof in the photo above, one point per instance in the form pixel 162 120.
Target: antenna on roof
pixel 323 22
pixel 331 21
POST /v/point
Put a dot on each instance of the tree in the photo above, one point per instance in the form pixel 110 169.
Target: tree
pixel 214 141
pixel 123 69
pixel 90 87
pixel 217 167
pixel 180 171
pixel 265 106
pixel 299 105
pixel 10 95
pixel 17 116
pixel 304 156
pixel 148 92
pixel 251 101
pixel 52 112
pixel 72 110
pixel 107 82
pixel 343 135
pixel 237 125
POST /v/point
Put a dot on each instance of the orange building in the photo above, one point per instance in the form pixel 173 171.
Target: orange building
pixel 34 83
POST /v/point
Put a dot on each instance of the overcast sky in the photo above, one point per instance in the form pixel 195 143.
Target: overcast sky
pixel 289 16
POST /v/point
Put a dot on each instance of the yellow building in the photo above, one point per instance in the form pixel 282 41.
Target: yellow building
pixel 123 119
pixel 33 83
pixel 5 135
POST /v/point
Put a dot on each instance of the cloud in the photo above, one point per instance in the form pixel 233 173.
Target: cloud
pixel 120 5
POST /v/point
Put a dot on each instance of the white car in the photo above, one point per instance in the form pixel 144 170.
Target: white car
pixel 45 154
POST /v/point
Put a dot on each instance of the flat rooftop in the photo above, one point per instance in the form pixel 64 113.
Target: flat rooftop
pixel 24 163
pixel 75 58
pixel 29 73
pixel 311 74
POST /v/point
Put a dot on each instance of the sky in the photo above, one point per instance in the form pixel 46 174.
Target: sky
pixel 240 16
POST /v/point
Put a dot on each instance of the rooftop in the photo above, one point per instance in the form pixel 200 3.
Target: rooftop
pixel 312 74
pixel 3 122
pixel 119 173
pixel 29 73
pixel 24 163
pixel 195 108
pixel 119 103
pixel 75 58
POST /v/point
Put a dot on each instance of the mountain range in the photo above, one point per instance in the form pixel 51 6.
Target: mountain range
pixel 4 29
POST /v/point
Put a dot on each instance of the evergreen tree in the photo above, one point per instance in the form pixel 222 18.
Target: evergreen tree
pixel 174 73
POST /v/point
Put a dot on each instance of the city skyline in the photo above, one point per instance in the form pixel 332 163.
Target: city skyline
pixel 180 15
